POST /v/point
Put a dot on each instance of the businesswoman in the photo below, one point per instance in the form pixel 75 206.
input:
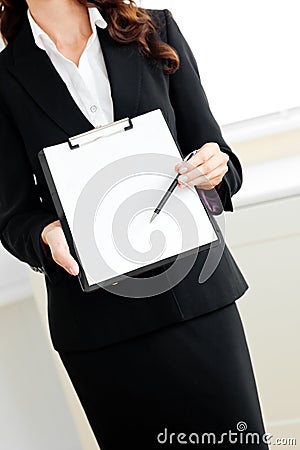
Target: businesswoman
pixel 145 370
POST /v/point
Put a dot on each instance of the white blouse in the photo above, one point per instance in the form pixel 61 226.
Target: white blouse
pixel 88 83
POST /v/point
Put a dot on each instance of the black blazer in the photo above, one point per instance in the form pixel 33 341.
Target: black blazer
pixel 36 111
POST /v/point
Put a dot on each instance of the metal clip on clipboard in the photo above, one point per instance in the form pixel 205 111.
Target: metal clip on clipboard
pixel 100 132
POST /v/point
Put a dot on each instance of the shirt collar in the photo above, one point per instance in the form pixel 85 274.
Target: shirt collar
pixel 40 37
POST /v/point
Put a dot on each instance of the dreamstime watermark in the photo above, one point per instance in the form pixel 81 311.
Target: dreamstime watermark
pixel 91 200
pixel 240 436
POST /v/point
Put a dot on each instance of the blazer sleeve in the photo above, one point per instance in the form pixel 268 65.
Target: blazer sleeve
pixel 22 216
pixel 195 122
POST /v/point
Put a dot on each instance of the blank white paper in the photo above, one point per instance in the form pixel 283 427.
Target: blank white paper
pixel 130 194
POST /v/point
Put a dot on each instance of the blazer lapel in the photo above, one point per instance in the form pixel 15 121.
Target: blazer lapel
pixel 35 72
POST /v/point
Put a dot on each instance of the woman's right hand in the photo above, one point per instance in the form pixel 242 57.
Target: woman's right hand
pixel 53 236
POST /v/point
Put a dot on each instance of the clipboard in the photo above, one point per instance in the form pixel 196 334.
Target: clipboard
pixel 105 185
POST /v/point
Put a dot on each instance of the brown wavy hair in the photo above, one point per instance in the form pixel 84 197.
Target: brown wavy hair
pixel 126 23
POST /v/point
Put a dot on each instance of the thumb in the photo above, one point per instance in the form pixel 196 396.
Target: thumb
pixel 62 256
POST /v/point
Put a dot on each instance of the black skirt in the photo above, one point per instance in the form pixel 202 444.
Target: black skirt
pixel 187 385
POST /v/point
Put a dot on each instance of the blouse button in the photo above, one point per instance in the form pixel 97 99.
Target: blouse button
pixel 93 108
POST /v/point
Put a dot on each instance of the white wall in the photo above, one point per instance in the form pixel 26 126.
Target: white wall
pixel 265 239
pixel 34 413
pixel 246 52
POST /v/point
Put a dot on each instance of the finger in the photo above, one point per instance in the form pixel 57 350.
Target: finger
pixel 205 170
pixel 209 184
pixel 51 226
pixel 206 181
pixel 211 180
pixel 62 256
pixel 60 251
pixel 218 160
pixel 185 166
pixel 206 152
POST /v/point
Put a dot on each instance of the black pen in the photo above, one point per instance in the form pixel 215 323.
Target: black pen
pixel 170 189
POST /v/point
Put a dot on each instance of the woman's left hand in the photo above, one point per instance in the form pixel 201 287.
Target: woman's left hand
pixel 205 169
